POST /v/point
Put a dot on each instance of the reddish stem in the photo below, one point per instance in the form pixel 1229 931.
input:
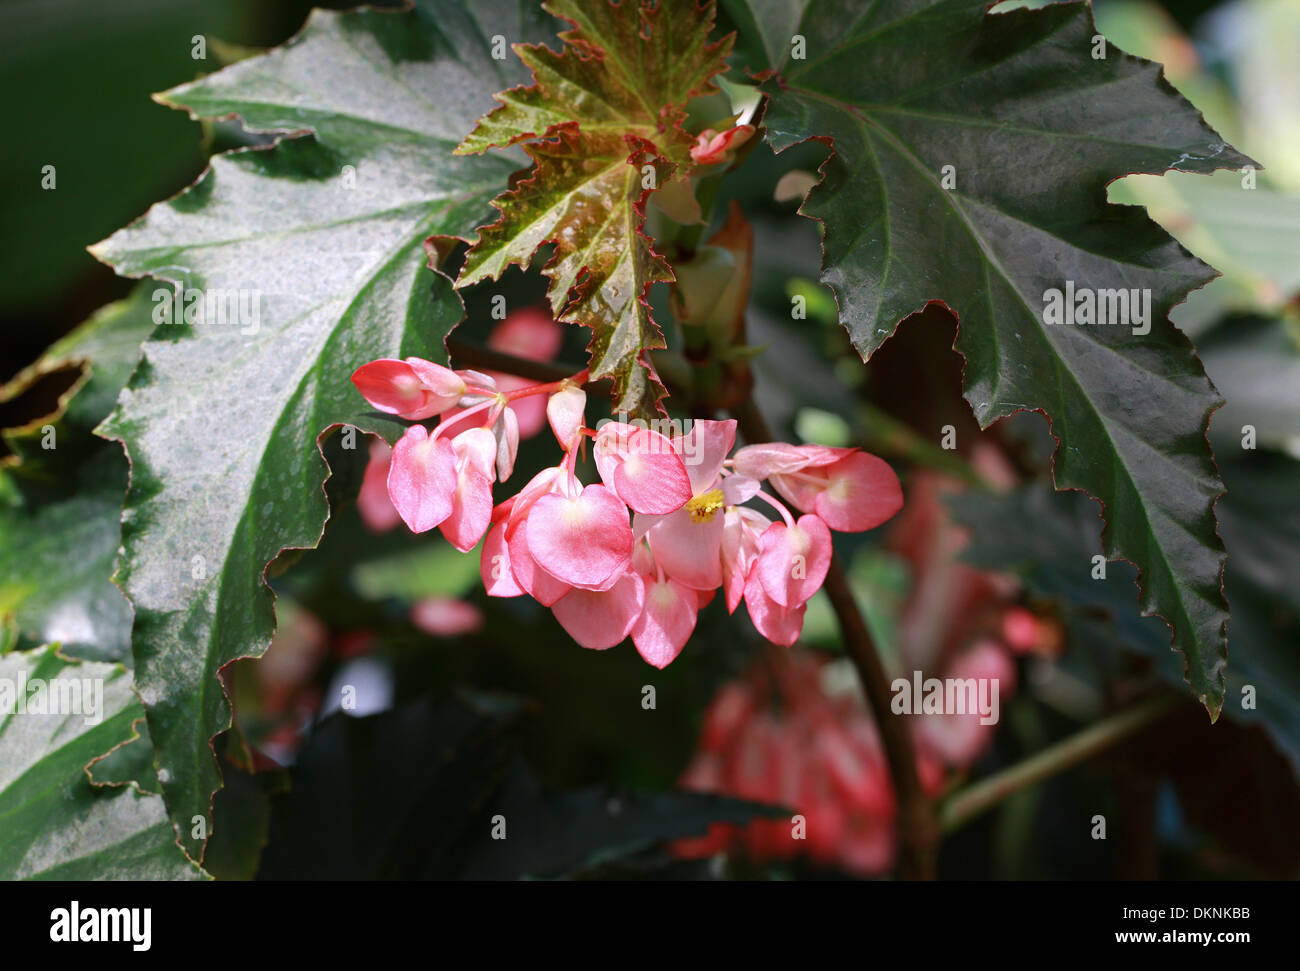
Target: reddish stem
pixel 918 827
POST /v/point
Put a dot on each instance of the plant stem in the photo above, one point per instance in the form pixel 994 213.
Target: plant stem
pixel 917 824
pixel 486 359
pixel 1083 745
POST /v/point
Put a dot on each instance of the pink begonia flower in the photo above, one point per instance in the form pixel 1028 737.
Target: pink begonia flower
pixel 687 543
pixel 793 560
pixel 376 509
pixel 852 491
pixel 446 616
pixel 961 739
pixel 856 771
pixel 712 147
pixel 422 478
pixel 600 619
pixel 726 715
pixel 469 414
pixel 532 334
pixel 471 508
pixel 572 548
pixel 641 467
pixel 785 735
pixel 414 388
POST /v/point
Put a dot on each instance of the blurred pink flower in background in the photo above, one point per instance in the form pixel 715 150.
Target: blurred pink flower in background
pixel 532 334
pixel 377 510
pixel 794 732
pixel 446 616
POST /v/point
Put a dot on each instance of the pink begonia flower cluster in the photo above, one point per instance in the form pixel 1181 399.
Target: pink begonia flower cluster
pixel 794 732
pixel 640 552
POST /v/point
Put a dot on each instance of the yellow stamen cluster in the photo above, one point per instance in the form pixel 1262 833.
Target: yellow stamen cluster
pixel 705 506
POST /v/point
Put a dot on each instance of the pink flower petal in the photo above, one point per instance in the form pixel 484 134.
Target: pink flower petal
pixel 607 448
pixel 862 491
pixel 422 479
pixel 543 483
pixel 769 458
pixel 690 552
pixel 713 147
pixel 478 379
pixel 820 456
pixel 599 620
pixel 739 489
pixel 793 561
pixel 802 491
pixel 494 565
pixel 703 449
pixel 666 623
pixel 535 581
pixel 440 381
pixel 651 477
pixel 477 448
pixel 778 624
pixel 565 411
pixel 582 540
pixel 471 510
pixel 507 434
pixel 740 547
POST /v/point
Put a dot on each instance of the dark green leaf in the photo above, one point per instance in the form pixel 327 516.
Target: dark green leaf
pixel 559 834
pixel 416 793
pixel 326 232
pixel 54 824
pixel 1261 527
pixel 389 796
pixel 1033 127
pixel 60 506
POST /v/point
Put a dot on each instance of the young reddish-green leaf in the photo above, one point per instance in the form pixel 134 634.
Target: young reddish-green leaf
pixel 627 68
pixel 971 153
pixel 587 194
pixel 604 119
pixel 325 232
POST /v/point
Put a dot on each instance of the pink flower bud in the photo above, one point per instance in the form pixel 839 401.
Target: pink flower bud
pixel 414 388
